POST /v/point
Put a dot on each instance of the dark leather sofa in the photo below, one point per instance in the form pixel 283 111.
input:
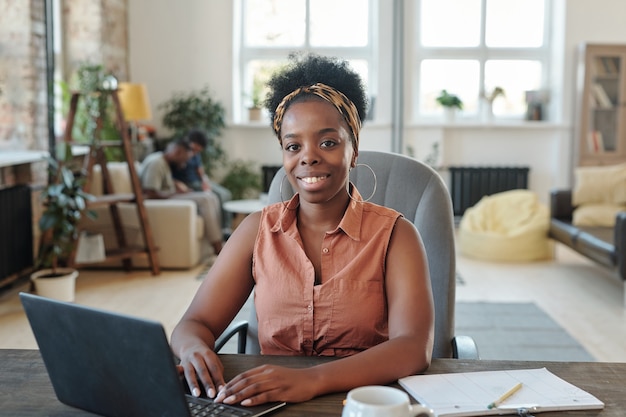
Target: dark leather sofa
pixel 605 245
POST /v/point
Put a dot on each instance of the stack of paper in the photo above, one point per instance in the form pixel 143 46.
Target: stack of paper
pixel 470 393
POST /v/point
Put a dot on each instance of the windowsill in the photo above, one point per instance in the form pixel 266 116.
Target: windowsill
pixel 496 124
pixel 249 125
pixel 12 158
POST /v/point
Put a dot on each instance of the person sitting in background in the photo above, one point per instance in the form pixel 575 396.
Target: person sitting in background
pixel 333 275
pixel 193 175
pixel 157 182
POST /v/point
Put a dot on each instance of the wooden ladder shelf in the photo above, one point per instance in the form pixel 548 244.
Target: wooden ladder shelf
pixel 96 155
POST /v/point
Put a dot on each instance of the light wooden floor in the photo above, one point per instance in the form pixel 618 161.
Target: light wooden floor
pixel 580 296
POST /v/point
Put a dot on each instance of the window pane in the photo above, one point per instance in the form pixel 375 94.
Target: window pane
pixel 515 77
pixel 257 74
pixel 459 77
pixel 514 23
pixel 450 23
pixel 361 67
pixel 334 29
pixel 274 22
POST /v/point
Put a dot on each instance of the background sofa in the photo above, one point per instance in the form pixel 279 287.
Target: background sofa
pixel 604 244
pixel 177 229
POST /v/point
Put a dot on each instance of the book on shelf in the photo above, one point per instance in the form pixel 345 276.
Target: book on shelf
pixel 605 66
pixel 602 98
pixel 595 142
pixel 598 67
pixel 497 393
pixel 610 65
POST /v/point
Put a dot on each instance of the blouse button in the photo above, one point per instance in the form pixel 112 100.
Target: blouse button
pixel 325 250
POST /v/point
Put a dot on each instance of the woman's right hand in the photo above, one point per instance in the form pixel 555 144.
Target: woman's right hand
pixel 203 371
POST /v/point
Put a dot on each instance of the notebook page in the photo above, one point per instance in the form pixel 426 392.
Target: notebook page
pixel 470 393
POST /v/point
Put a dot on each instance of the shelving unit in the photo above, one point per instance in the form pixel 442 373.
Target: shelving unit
pixel 110 198
pixel 601 105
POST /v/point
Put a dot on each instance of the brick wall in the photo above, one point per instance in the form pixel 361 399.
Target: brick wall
pixel 95 31
pixel 22 75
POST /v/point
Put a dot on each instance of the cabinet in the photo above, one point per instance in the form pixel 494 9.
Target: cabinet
pixel 601 110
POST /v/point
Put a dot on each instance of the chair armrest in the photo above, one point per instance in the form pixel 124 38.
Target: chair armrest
pixel 561 204
pixel 464 347
pixel 239 328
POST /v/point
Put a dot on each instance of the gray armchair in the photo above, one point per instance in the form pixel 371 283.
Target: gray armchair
pixel 419 193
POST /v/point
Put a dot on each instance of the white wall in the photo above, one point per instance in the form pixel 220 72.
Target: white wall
pixel 183 45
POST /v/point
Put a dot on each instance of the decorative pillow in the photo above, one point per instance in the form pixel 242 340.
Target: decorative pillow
pixel 602 184
pixel 596 214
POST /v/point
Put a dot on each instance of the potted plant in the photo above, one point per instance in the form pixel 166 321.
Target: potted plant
pixel 489 99
pixel 64 202
pixel 197 110
pixel 450 102
pixel 256 97
pixel 242 179
pixel 95 86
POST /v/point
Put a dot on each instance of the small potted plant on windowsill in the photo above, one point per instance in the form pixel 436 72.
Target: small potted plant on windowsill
pixel 64 202
pixel 450 102
pixel 256 98
pixel 489 99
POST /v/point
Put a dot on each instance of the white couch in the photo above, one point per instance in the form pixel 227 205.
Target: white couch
pixel 177 229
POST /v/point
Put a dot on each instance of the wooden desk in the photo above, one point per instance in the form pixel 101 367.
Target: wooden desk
pixel 25 389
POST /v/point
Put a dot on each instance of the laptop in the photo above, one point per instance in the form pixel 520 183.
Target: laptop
pixel 114 365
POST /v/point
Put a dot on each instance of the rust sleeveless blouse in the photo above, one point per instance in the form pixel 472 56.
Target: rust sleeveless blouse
pixel 345 314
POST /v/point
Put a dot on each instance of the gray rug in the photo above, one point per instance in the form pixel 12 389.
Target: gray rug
pixel 516 331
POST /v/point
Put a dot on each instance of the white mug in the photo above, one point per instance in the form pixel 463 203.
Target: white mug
pixel 379 401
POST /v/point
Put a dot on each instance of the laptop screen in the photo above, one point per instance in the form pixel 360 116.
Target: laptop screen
pixel 108 363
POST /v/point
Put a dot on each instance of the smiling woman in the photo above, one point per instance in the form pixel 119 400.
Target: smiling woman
pixel 333 275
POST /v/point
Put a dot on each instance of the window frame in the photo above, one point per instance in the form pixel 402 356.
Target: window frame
pixel 481 53
pixel 245 54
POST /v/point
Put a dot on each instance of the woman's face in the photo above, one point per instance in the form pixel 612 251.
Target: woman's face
pixel 317 150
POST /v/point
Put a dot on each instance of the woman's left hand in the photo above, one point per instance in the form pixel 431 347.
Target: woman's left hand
pixel 268 383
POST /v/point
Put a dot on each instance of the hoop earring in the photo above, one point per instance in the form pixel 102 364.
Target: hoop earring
pixel 280 190
pixel 375 184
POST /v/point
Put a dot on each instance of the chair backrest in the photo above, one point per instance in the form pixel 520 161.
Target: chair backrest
pixel 418 192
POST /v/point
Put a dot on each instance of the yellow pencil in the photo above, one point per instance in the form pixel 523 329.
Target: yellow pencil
pixel 504 396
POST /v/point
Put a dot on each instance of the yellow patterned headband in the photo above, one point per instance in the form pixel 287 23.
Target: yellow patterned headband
pixel 335 97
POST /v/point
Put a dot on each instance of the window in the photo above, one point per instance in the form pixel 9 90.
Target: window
pixel 272 29
pixel 60 110
pixel 470 47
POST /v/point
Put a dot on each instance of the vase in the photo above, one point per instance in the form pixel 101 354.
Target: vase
pixel 254 114
pixel 487 111
pixel 450 114
pixel 60 287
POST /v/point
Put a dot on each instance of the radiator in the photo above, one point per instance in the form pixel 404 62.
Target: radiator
pixel 469 184
pixel 16 231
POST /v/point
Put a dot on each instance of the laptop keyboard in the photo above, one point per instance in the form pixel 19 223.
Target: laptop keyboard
pixel 204 408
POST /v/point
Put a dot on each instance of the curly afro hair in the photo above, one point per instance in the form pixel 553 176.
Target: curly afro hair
pixel 306 70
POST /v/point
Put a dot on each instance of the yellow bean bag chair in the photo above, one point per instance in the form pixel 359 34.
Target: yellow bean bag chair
pixel 509 226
